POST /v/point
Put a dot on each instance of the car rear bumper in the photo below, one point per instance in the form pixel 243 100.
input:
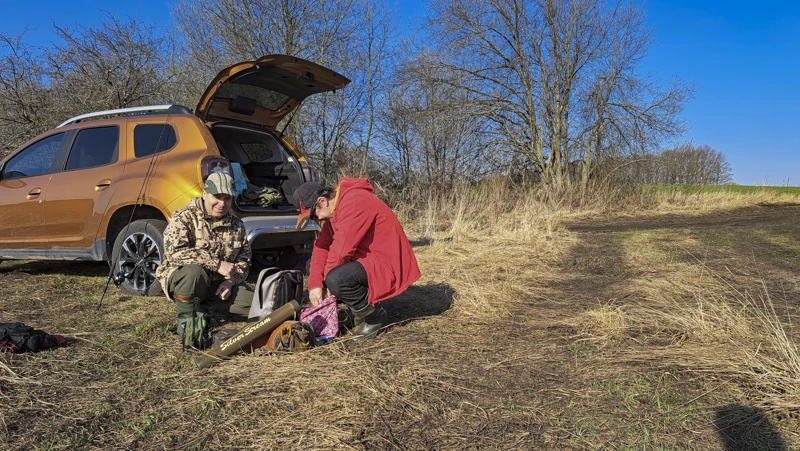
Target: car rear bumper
pixel 272 232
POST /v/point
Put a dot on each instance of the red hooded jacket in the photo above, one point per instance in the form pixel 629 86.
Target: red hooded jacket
pixel 365 230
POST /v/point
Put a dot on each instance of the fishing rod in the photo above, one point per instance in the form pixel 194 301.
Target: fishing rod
pixel 121 276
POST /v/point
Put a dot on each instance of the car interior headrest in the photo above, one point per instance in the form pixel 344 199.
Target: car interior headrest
pixel 243 105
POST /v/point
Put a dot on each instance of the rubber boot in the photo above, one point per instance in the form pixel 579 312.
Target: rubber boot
pixel 185 311
pixel 370 321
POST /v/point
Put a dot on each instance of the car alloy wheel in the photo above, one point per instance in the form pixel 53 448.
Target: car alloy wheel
pixel 140 258
pixel 139 249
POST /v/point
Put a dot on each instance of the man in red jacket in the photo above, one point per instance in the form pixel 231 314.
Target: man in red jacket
pixel 362 254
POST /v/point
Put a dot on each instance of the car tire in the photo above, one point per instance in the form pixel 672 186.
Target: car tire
pixel 138 251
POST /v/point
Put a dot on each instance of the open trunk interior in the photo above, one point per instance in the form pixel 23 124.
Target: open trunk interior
pixel 265 165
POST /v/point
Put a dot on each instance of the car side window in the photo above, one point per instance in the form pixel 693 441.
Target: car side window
pixel 152 138
pixel 37 159
pixel 266 151
pixel 94 147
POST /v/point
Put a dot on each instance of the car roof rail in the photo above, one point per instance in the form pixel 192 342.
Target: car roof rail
pixel 132 111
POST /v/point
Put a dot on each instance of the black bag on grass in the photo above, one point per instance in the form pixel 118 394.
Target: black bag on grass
pixel 16 338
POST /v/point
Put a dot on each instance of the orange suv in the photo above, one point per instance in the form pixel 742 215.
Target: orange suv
pixel 103 190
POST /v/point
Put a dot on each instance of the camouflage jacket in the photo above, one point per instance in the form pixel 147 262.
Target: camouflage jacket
pixel 193 236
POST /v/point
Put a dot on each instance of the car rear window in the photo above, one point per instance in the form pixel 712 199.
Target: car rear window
pixel 153 138
pixel 94 147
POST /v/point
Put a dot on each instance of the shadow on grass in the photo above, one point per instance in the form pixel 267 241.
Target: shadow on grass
pixel 421 242
pixel 740 217
pixel 420 301
pixel 427 241
pixel 746 428
pixel 70 268
pixel 597 269
pixel 718 240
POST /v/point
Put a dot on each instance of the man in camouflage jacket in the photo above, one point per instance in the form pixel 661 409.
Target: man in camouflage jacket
pixel 206 255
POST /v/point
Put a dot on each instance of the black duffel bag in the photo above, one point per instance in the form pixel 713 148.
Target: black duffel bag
pixel 16 338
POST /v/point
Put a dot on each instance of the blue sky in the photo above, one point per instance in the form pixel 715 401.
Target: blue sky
pixel 742 56
pixel 744 59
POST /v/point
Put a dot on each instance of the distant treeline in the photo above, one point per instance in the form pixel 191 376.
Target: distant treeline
pixel 683 165
pixel 729 188
pixel 548 88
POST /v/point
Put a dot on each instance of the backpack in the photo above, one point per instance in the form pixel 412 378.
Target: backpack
pixel 16 338
pixel 275 288
pixel 195 331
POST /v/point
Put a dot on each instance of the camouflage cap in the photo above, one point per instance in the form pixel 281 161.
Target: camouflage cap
pixel 219 183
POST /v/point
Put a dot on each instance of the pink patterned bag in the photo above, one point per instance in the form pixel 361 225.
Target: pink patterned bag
pixel 323 318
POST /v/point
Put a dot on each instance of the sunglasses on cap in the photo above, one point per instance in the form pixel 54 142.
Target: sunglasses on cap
pixel 309 214
pixel 312 213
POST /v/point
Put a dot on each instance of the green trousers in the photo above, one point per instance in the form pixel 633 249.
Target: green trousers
pixel 193 281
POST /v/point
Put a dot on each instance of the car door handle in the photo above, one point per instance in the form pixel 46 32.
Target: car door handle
pixel 34 193
pixel 102 184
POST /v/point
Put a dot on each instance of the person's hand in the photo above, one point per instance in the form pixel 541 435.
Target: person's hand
pixel 224 290
pixel 315 296
pixel 226 269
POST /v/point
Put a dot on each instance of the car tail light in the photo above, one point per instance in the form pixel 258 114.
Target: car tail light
pixel 210 165
pixel 311 174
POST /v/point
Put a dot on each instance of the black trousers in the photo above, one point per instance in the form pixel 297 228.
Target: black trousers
pixel 348 282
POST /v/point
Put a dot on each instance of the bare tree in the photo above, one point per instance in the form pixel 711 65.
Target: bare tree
pixel 689 164
pixel 374 54
pixel 558 78
pixel 349 36
pixel 114 65
pixel 23 92
pixel 683 164
pixel 212 34
pixel 428 130
pixel 396 131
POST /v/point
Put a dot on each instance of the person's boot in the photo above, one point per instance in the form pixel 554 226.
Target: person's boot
pixel 185 311
pixel 370 321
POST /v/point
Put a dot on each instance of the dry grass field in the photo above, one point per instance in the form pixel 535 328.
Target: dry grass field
pixel 663 324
